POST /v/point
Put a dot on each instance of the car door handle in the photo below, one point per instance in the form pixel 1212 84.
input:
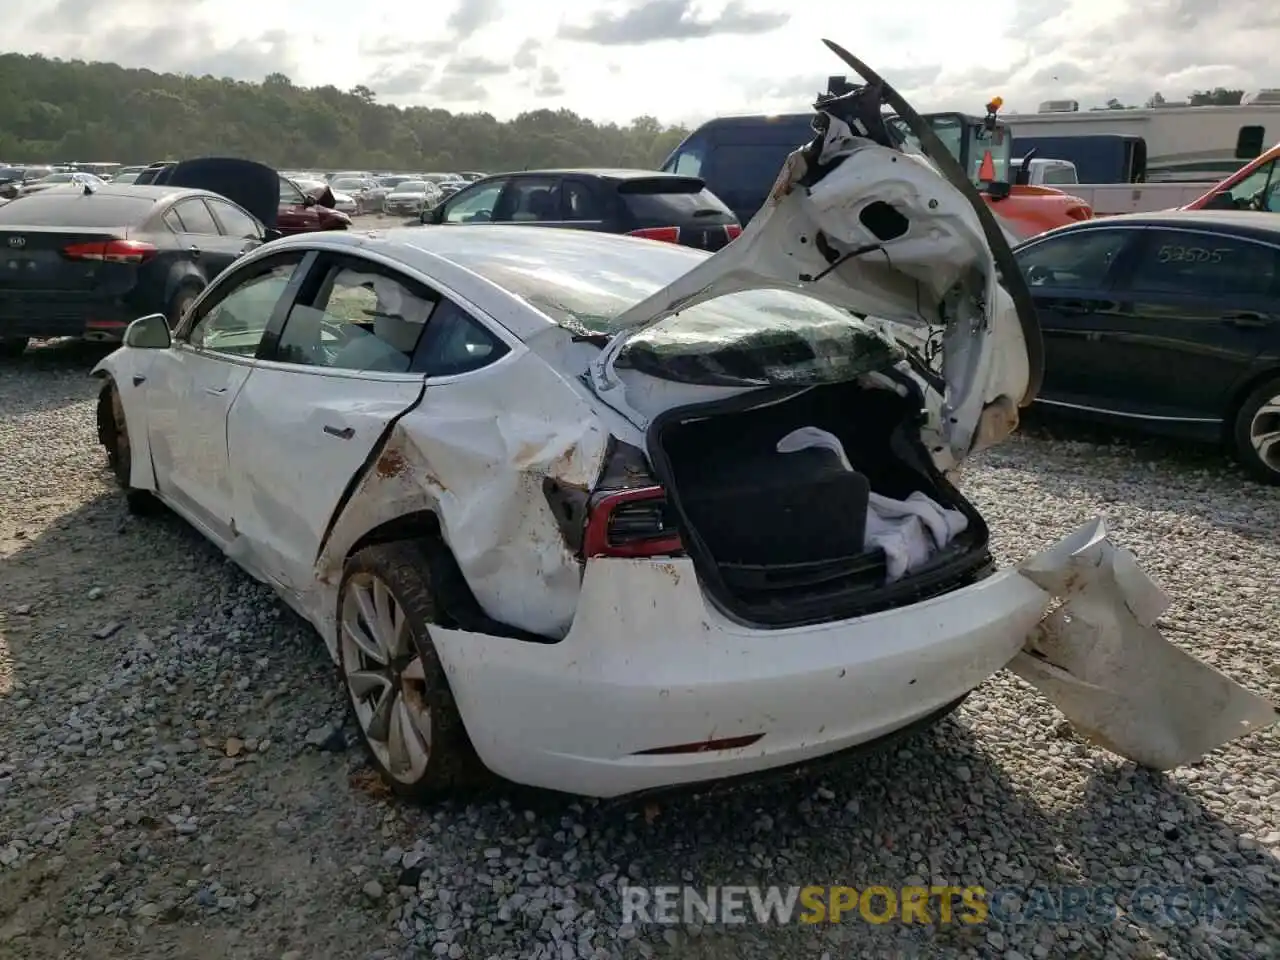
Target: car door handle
pixel 215 391
pixel 1073 308
pixel 346 433
pixel 193 250
pixel 1246 319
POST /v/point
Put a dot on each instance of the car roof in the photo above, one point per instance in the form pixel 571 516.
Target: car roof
pixel 460 246
pixel 1241 222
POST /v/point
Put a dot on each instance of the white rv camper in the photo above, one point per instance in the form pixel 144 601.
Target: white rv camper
pixel 1182 143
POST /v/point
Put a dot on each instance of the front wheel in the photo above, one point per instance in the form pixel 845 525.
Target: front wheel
pixel 1257 432
pixel 396 685
pixel 113 434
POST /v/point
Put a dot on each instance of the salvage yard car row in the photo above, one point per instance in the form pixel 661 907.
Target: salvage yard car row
pixel 592 512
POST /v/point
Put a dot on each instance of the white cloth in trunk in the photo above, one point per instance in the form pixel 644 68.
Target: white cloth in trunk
pixel 908 531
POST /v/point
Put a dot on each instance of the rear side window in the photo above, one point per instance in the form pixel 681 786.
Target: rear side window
pixel 664 202
pixel 1079 260
pixel 1205 265
pixel 76 210
pixel 196 217
pixel 235 222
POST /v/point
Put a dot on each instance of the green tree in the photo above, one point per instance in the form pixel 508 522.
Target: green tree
pixel 71 110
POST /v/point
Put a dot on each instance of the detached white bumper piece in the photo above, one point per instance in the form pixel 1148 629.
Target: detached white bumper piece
pixel 1100 658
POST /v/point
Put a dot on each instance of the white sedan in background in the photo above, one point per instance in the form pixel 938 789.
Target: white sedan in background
pixel 602 514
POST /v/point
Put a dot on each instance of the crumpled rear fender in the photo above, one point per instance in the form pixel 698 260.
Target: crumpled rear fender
pixel 477 453
pixel 122 366
pixel 1100 658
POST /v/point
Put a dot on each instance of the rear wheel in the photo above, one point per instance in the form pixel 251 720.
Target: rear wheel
pixel 396 685
pixel 113 434
pixel 12 347
pixel 1256 432
pixel 180 304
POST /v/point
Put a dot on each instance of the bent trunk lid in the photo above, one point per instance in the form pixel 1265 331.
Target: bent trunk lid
pixel 856 222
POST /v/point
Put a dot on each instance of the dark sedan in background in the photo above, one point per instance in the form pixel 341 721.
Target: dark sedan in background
pixel 1169 322
pixel 86 263
pixel 656 206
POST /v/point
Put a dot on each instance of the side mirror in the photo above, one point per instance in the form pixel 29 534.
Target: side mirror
pixel 308 200
pixel 271 233
pixel 148 333
pixel 998 189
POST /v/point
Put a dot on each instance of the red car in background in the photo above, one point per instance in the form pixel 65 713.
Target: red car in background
pixel 282 206
pixel 305 211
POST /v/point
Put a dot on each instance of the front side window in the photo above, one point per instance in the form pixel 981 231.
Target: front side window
pixel 1204 265
pixel 236 321
pixel 474 206
pixel 360 319
pixel 1257 191
pixel 688 159
pixel 290 195
pixel 1080 260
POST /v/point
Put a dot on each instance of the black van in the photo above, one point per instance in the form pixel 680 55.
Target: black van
pixel 739 157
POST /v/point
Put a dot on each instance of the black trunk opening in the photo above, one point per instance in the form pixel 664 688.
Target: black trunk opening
pixel 777 538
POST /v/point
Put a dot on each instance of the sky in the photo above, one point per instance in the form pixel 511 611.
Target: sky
pixel 681 61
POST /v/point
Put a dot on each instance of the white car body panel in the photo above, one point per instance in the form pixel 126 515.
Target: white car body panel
pixel 634 656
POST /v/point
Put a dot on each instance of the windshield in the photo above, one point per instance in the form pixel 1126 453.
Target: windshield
pixel 347 183
pixel 412 186
pixel 392 181
pixel 967 140
pixel 584 282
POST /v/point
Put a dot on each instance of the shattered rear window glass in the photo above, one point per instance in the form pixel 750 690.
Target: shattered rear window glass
pixel 759 336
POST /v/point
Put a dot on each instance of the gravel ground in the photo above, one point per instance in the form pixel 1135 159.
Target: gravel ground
pixel 176 780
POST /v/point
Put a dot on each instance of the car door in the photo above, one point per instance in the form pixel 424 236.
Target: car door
pixel 294 215
pixel 203 239
pixel 242 231
pixel 583 204
pixel 476 204
pixel 307 421
pixel 1193 312
pixel 534 200
pixel 1070 276
pixel 192 385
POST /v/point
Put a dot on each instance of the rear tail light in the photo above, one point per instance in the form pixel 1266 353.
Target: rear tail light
pixel 733 231
pixel 665 234
pixel 630 523
pixel 111 251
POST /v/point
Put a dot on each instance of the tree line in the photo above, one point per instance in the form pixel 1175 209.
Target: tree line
pixel 59 111
pixel 1217 97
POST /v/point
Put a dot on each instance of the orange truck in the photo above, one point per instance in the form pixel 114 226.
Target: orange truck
pixel 984 146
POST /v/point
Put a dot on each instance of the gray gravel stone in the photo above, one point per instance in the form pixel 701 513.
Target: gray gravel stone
pixel 115 786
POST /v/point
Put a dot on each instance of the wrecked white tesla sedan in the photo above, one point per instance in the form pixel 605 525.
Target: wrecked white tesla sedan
pixel 603 514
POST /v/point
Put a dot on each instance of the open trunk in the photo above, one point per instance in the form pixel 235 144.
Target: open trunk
pixel 780 539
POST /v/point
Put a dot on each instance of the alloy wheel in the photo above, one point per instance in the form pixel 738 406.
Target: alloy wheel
pixel 1264 433
pixel 385 677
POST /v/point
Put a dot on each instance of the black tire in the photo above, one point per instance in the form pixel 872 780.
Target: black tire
pixel 1253 418
pixel 180 303
pixel 452 765
pixel 12 347
pixel 113 434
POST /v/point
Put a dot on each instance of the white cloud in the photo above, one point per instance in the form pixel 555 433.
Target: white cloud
pixel 722 56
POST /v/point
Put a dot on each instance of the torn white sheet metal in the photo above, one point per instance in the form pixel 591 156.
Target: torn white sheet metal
pixel 1102 661
pixel 940 258
pixel 476 453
